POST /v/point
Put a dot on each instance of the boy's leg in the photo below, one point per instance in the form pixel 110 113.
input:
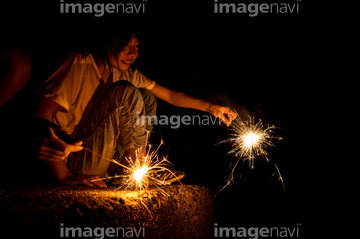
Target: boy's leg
pixel 112 122
pixel 150 111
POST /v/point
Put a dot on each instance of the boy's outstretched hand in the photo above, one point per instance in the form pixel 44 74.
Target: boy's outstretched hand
pixel 225 114
pixel 55 149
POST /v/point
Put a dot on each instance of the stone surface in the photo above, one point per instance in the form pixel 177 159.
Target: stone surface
pixel 167 212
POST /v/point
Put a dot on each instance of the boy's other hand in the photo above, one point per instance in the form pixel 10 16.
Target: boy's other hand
pixel 55 149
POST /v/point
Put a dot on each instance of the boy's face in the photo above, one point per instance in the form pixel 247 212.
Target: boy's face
pixel 128 55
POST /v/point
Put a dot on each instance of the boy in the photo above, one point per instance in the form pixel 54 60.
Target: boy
pixel 97 98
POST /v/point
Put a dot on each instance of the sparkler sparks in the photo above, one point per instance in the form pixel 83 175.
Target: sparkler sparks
pixel 144 171
pixel 249 141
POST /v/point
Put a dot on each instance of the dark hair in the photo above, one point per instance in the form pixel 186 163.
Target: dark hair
pixel 116 38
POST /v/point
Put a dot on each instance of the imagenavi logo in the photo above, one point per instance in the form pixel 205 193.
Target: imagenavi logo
pixel 176 120
pixel 253 9
pixel 102 232
pixel 99 9
pixel 257 232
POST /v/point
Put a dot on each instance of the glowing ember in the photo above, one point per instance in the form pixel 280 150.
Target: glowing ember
pixel 251 140
pixel 139 174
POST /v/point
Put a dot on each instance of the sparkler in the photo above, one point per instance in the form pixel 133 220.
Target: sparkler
pixel 144 171
pixel 249 141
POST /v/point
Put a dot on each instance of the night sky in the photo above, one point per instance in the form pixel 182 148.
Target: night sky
pixel 259 66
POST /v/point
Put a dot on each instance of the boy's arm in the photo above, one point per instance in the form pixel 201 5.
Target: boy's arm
pixel 186 101
pixel 53 148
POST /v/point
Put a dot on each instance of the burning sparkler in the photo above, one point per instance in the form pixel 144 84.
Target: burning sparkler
pixel 249 140
pixel 147 171
pixel 144 171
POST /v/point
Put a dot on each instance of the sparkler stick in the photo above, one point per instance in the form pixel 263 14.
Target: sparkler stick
pixel 111 160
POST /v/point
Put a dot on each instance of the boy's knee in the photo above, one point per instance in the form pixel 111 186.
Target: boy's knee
pixel 123 86
pixel 125 89
pixel 149 100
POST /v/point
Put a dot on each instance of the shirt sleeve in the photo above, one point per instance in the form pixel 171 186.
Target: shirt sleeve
pixel 62 84
pixel 135 77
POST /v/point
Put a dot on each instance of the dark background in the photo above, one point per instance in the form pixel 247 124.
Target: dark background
pixel 261 66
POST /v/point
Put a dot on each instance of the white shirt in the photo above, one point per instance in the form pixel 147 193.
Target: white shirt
pixel 74 82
